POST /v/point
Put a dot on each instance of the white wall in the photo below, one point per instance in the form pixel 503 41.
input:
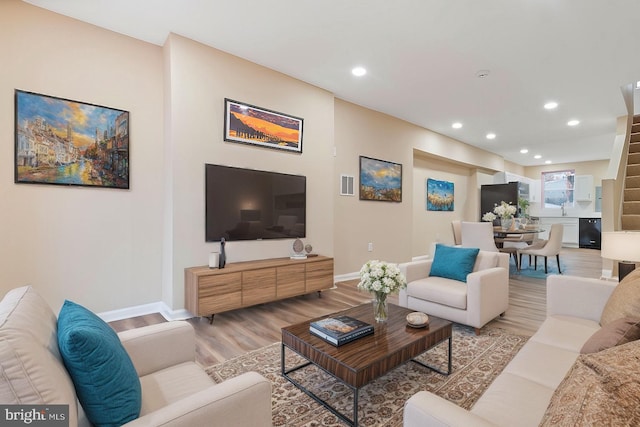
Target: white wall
pixel 430 227
pixel 200 78
pixel 112 249
pixel 99 247
pixel 390 226
pixel 387 225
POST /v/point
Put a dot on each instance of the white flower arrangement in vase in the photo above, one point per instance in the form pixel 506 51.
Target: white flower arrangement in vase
pixel 489 217
pixel 381 279
pixel 505 210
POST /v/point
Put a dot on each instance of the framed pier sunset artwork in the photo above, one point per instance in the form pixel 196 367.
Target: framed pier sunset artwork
pixel 248 124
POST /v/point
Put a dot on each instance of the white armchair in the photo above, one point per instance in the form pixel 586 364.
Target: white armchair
pixel 178 392
pixel 175 390
pixel 483 297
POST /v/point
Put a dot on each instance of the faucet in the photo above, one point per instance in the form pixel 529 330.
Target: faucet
pixel 564 211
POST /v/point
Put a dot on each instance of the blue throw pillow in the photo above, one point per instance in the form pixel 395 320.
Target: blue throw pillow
pixel 104 377
pixel 453 262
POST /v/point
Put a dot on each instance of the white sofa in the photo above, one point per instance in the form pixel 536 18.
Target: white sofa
pixel 520 395
pixel 175 390
pixel 483 297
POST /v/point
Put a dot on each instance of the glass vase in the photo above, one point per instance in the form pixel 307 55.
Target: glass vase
pixel 506 223
pixel 380 307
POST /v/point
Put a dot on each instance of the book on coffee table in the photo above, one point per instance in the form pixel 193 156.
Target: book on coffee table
pixel 339 330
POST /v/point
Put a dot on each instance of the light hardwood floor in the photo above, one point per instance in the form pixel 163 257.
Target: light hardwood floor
pixel 239 331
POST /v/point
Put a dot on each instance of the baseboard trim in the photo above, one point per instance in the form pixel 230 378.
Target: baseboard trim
pixel 169 314
pixel 181 314
pixel 608 275
pixel 141 310
pixel 345 277
pixel 356 274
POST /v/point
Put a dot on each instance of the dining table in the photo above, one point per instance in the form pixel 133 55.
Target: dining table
pixel 527 235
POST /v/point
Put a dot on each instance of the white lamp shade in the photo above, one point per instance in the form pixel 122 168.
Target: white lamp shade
pixel 621 245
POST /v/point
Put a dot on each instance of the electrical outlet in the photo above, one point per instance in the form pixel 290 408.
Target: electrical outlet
pixel 370 247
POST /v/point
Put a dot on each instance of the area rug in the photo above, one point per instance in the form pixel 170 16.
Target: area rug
pixel 529 271
pixel 477 360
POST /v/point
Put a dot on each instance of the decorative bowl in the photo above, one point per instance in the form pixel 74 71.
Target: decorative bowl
pixel 417 319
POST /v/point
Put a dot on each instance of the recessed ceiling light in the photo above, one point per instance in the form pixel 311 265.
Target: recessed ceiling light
pixel 573 122
pixel 491 135
pixel 524 151
pixel 456 125
pixel 537 156
pixel 359 71
pixel 550 105
pixel 547 162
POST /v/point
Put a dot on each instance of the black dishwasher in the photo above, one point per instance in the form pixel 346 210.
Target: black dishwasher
pixel 589 233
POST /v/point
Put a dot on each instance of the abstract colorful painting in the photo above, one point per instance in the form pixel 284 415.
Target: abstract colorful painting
pixel 439 195
pixel 380 180
pixel 64 142
pixel 248 124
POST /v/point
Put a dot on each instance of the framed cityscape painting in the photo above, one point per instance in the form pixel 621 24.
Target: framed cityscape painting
pixel 440 195
pixel 64 142
pixel 380 180
pixel 248 124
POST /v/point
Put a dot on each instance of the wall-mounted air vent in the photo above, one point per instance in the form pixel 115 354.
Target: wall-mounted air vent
pixel 346 185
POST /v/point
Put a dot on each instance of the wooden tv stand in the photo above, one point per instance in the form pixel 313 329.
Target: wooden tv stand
pixel 208 291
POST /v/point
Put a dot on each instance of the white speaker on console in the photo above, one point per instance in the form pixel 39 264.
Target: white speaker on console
pixel 214 259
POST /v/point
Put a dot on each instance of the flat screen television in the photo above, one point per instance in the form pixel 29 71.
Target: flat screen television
pixel 248 204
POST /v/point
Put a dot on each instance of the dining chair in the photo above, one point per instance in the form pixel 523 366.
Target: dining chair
pixel 457 233
pixel 478 235
pixel 545 248
pixel 510 245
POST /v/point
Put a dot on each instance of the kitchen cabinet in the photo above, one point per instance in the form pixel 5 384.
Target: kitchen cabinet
pixel 570 233
pixel 583 188
pixel 529 188
pixel 534 190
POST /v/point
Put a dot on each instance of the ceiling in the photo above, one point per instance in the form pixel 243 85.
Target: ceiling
pixel 423 57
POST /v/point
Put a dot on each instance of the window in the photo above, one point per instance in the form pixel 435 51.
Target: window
pixel 557 188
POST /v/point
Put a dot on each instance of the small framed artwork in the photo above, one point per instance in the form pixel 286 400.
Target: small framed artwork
pixel 440 196
pixel 380 180
pixel 64 142
pixel 248 124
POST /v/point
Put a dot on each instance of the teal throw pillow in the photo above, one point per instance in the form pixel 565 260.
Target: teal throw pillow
pixel 104 377
pixel 453 262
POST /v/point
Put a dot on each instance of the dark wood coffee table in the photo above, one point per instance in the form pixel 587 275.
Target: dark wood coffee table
pixel 361 361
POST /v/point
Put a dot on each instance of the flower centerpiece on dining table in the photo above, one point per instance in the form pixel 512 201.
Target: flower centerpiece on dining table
pixel 381 279
pixel 505 211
